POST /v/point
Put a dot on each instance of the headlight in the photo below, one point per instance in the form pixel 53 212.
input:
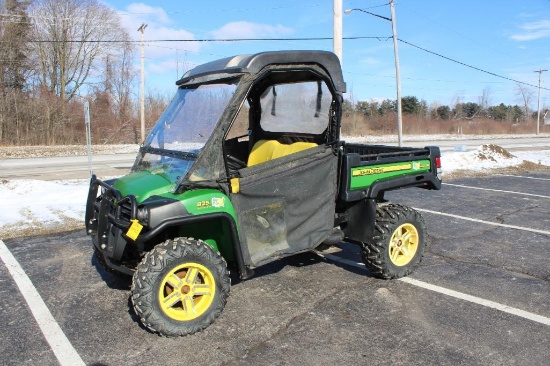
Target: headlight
pixel 143 215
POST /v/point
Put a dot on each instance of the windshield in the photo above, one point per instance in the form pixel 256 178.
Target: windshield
pixel 184 128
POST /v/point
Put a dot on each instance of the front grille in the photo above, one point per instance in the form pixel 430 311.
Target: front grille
pixel 125 211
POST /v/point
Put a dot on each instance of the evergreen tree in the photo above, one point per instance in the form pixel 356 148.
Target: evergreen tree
pixel 410 105
pixel 14 65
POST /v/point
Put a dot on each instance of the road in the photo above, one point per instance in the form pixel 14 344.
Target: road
pixel 119 164
pixel 66 167
pixel 510 144
pixel 480 297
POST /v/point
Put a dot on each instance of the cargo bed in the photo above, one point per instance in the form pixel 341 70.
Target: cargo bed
pixel 370 170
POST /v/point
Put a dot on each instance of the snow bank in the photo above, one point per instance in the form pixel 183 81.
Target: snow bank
pixel 28 204
pixel 483 158
pixel 35 204
pixel 487 157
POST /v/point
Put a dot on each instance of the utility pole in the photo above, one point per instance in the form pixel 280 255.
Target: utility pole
pixel 337 28
pixel 142 88
pixel 397 76
pixel 540 71
pixel 397 73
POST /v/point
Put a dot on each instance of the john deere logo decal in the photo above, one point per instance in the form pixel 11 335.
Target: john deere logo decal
pixel 373 170
pixel 380 169
pixel 218 202
pixel 214 202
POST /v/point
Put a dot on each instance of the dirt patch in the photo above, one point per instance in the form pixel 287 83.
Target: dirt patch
pixel 498 150
pixel 13 231
pixel 488 152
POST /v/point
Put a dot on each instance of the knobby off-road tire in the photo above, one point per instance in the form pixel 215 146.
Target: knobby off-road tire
pixel 398 244
pixel 180 287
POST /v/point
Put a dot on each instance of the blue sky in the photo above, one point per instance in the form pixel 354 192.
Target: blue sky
pixel 510 38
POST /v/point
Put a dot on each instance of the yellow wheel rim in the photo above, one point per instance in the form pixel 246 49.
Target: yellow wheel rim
pixel 187 291
pixel 403 244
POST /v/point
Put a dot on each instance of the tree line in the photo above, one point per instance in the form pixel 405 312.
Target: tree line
pixel 54 56
pixel 411 105
pixel 57 54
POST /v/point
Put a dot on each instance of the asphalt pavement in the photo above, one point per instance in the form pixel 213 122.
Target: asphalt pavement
pixel 480 297
pixel 66 167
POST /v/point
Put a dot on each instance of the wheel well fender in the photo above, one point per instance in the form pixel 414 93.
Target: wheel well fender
pixel 232 248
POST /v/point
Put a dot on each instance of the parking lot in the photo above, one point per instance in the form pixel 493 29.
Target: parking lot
pixel 481 296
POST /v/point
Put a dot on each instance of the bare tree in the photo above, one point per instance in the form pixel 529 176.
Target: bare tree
pixel 122 81
pixel 457 110
pixel 525 95
pixel 70 37
pixel 485 99
pixel 112 98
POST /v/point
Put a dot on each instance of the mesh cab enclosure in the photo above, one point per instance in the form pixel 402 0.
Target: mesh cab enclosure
pixel 286 205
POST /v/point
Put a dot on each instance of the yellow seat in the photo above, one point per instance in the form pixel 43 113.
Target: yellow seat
pixel 265 150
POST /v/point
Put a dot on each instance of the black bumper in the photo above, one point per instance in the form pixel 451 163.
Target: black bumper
pixel 107 220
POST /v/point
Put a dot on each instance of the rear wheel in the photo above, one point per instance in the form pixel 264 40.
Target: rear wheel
pixel 398 244
pixel 180 287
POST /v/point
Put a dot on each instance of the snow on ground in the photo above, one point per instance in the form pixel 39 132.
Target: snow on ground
pixel 384 139
pixel 35 206
pixel 490 157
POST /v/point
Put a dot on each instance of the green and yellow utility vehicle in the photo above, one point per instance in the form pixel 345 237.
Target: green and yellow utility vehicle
pixel 246 166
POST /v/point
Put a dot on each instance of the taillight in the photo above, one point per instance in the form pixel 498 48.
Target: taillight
pixel 438 165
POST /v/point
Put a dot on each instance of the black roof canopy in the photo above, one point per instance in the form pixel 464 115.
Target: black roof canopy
pixel 252 64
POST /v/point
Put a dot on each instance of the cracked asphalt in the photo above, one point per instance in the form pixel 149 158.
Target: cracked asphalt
pixel 308 310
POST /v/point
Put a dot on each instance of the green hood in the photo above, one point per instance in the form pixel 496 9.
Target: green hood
pixel 143 185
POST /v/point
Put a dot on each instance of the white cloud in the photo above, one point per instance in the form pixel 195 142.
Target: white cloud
pixel 169 48
pixel 172 68
pixel 159 26
pixel 244 29
pixel 533 30
pixel 146 13
pixel 161 57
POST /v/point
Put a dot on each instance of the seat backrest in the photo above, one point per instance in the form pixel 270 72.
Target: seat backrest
pixel 265 150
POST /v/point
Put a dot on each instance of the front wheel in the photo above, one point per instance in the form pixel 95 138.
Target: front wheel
pixel 180 287
pixel 398 243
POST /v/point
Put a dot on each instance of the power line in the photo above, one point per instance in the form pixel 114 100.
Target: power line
pixel 125 13
pixel 467 65
pixel 223 10
pixel 206 40
pixel 369 7
pixel 430 80
pixel 201 10
pixel 450 29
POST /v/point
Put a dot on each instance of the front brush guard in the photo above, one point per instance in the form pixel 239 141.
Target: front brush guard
pixel 106 219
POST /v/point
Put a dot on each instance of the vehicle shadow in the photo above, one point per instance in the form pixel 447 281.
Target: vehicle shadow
pixel 114 280
pixel 304 259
